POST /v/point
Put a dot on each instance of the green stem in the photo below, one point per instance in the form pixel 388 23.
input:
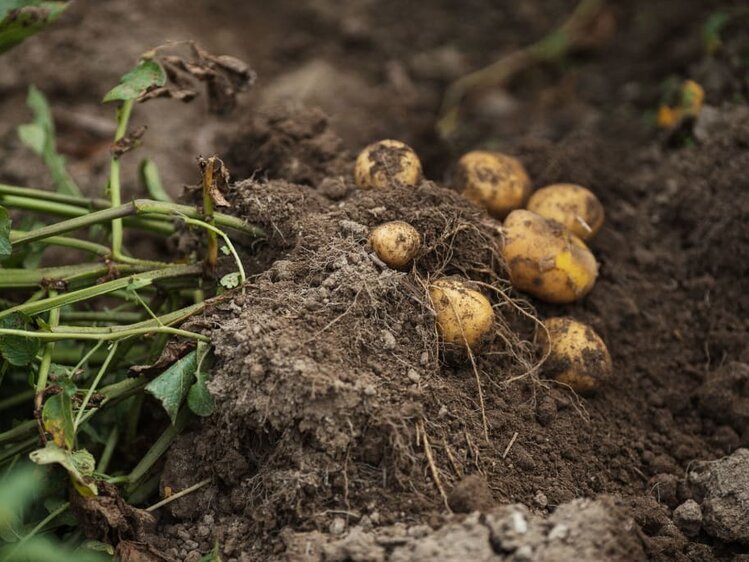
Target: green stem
pixel 106 454
pixel 133 417
pixel 48 207
pixel 70 274
pixel 59 511
pixel 136 207
pixel 115 194
pixel 53 196
pixel 92 388
pixel 160 447
pixel 215 231
pixel 75 243
pixel 106 316
pixel 22 430
pixel 22 447
pixel 72 355
pixel 16 399
pixel 70 334
pixel 41 381
pixel 140 280
pixel 163 320
pixel 49 203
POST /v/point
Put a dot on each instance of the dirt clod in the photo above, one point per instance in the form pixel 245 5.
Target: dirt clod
pixel 723 489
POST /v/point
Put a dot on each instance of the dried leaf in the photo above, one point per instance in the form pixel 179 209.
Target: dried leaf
pixel 129 142
pixel 108 518
pixel 173 350
pixel 215 179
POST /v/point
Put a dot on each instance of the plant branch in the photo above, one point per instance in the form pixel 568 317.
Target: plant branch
pixel 139 280
pixel 136 207
pixel 115 194
pixel 94 384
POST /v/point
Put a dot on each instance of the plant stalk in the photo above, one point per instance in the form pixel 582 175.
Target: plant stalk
pixel 115 192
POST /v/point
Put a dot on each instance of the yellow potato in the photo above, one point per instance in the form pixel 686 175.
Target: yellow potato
pixel 395 243
pixel 545 259
pixel 464 315
pixel 497 182
pixel 577 355
pixel 570 205
pixel 387 163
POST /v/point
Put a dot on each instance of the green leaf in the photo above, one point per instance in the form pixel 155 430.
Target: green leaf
pixel 231 280
pixel 17 350
pixel 57 418
pixel 97 546
pixel 171 387
pixel 28 256
pixel 199 399
pixel 22 19
pixel 79 464
pixel 17 490
pixel 42 549
pixel 146 75
pixel 5 247
pixel 39 136
pixel 213 556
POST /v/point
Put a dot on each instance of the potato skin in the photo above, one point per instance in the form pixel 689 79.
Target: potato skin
pixel 387 163
pixel 396 243
pixel 464 315
pixel 572 206
pixel 578 357
pixel 493 180
pixel 545 260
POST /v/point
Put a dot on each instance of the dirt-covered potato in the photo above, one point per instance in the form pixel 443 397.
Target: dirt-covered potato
pixel 497 182
pixel 395 243
pixel 572 206
pixel 577 355
pixel 387 163
pixel 464 315
pixel 545 259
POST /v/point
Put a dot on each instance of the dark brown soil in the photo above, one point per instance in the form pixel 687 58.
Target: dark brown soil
pixel 340 417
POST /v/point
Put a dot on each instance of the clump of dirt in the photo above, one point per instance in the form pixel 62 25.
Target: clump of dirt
pixel 722 486
pixel 289 142
pixel 587 530
pixel 330 385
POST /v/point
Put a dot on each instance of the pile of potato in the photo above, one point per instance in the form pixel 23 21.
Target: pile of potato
pixel 543 246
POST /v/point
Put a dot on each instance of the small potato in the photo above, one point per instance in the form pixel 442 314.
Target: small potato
pixel 464 316
pixel 577 355
pixel 545 259
pixel 395 243
pixel 570 205
pixel 497 182
pixel 387 163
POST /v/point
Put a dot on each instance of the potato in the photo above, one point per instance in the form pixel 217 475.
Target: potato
pixel 387 163
pixel 497 182
pixel 577 355
pixel 464 315
pixel 570 205
pixel 545 260
pixel 395 243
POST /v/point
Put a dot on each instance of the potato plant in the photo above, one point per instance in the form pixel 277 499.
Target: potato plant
pixel 74 338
